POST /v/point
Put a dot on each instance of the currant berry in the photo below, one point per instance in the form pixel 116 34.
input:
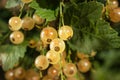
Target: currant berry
pixel 41 62
pixel 40 45
pixel 53 72
pixel 38 20
pixel 84 65
pixel 112 4
pixel 15 23
pixel 60 65
pixel 57 45
pixel 48 34
pixel 115 15
pixel 53 57
pixel 20 73
pixel 16 37
pixel 47 77
pixel 31 74
pixel 32 43
pixel 27 23
pixel 65 32
pixel 63 55
pixel 70 69
pixel 26 1
pixel 9 75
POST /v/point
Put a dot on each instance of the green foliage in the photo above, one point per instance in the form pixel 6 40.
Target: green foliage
pixel 90 31
pixel 44 13
pixel 10 54
pixel 12 3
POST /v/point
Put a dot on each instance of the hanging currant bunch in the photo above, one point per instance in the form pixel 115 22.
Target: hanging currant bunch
pixel 58 41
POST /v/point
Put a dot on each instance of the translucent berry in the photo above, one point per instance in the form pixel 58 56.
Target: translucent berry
pixel 28 23
pixel 48 34
pixel 16 37
pixel 65 32
pixel 15 23
pixel 38 20
pixel 9 75
pixel 62 63
pixel 53 57
pixel 32 43
pixel 84 65
pixel 20 73
pixel 47 77
pixel 57 45
pixel 112 4
pixel 53 72
pixel 31 74
pixel 41 62
pixel 115 15
pixel 70 69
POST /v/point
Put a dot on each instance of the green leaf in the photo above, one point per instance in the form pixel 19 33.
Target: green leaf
pixel 10 55
pixel 44 13
pixel 90 32
pixel 12 3
pixel 107 34
pixel 82 13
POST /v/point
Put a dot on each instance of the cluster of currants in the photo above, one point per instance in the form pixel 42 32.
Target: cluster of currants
pixel 56 61
pixel 113 9
pixel 20 73
pixel 26 23
pixel 57 55
pixel 49 35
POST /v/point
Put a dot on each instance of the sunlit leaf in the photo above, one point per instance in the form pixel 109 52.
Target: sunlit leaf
pixel 10 55
pixel 44 13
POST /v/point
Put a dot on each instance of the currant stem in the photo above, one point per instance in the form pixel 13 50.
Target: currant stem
pixel 41 74
pixel 69 54
pixel 22 6
pixel 61 73
pixel 61 13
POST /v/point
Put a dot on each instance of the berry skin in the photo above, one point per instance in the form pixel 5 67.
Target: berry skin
pixel 20 73
pixel 48 34
pixel 38 20
pixel 26 1
pixel 41 62
pixel 70 69
pixel 15 23
pixel 84 65
pixel 52 72
pixel 32 43
pixel 115 15
pixel 47 77
pixel 9 75
pixel 27 23
pixel 31 74
pixel 62 63
pixel 16 37
pixel 57 45
pixel 53 57
pixel 65 32
pixel 112 4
